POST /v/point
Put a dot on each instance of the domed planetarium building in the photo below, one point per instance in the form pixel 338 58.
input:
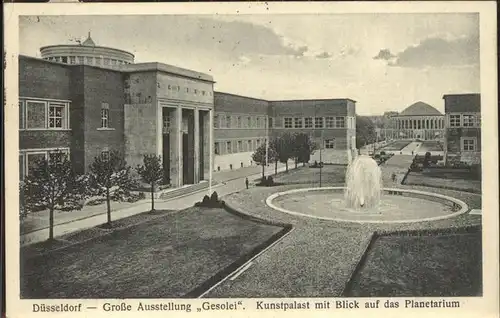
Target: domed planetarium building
pixel 418 121
pixel 87 53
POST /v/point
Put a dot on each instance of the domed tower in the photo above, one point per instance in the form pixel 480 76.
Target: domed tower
pixel 87 53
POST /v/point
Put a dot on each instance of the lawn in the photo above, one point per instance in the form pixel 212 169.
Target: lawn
pixel 396 145
pixel 166 257
pixel 330 174
pixel 426 265
pixel 445 180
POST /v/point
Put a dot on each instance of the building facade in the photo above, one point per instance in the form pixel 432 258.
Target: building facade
pixel 242 124
pixel 417 121
pixel 72 100
pixel 463 128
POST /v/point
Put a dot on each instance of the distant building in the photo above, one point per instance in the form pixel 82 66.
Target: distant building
pixel 417 121
pixel 463 128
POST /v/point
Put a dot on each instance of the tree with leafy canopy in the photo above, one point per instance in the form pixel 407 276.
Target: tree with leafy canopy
pixel 273 144
pixel 151 172
pixel 284 148
pixel 303 148
pixel 259 157
pixel 365 131
pixel 110 175
pixel 52 183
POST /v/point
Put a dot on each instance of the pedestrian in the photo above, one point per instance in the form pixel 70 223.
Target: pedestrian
pixel 246 182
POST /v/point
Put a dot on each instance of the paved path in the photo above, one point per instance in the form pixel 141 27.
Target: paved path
pixel 92 216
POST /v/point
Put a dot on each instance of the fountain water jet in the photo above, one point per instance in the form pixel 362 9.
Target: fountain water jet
pixel 363 184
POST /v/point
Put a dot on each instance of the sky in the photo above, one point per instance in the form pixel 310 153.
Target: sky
pixel 385 62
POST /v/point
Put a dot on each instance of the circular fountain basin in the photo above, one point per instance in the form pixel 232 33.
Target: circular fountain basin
pixel 396 206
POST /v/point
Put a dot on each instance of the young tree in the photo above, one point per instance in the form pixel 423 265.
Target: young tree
pixel 151 172
pixel 110 174
pixel 50 183
pixel 303 148
pixel 284 149
pixel 365 131
pixel 273 144
pixel 259 157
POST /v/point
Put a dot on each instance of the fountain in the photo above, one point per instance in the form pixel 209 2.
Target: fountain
pixel 364 200
pixel 363 184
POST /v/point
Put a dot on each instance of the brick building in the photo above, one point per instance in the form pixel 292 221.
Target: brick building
pixel 87 100
pixel 463 128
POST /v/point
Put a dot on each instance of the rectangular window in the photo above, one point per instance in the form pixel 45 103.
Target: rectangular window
pixel 240 146
pixel 228 147
pixel 249 122
pixel 340 122
pixel 249 144
pixel 22 165
pixel 21 115
pixel 72 60
pixel 330 122
pixel 298 122
pixel 228 121
pixel 288 122
pixel 104 115
pixel 454 120
pixel 33 159
pixel 57 116
pixel 98 61
pixel 35 114
pixel 318 122
pixel 468 120
pixel 308 121
pixel 477 120
pixel 216 121
pixel 330 143
pixel 216 148
pixel 270 122
pixel 258 143
pixel 257 122
pixel 239 121
pixel 469 145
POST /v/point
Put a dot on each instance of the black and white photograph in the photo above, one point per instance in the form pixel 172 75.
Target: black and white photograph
pixel 269 155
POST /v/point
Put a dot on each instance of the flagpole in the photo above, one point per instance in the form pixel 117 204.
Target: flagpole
pixel 267 146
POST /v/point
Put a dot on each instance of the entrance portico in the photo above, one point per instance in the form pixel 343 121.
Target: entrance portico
pixel 184 143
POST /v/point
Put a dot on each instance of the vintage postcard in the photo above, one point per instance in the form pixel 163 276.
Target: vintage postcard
pixel 244 159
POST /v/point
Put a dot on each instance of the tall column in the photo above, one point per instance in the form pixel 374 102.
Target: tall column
pixel 159 130
pixel 211 147
pixel 176 145
pixel 196 145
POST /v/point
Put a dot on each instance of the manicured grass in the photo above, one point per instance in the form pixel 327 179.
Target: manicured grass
pixel 167 256
pixel 431 145
pixel 330 174
pixel 426 265
pixel 443 181
pixel 396 145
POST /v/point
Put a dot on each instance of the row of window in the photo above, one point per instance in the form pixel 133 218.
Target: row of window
pixel 464 120
pixel 221 121
pixel 235 146
pixel 319 122
pixel 86 60
pixel 42 114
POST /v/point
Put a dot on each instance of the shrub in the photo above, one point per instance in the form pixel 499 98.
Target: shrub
pixel 210 202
